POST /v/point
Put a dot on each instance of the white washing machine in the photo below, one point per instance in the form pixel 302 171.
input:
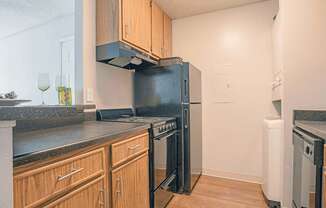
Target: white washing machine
pixel 272 160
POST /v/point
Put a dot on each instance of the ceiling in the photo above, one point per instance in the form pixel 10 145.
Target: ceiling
pixel 184 8
pixel 19 15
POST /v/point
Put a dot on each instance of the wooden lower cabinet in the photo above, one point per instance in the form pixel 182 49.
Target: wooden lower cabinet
pixel 91 195
pixel 82 179
pixel 130 184
pixel 41 185
pixel 38 185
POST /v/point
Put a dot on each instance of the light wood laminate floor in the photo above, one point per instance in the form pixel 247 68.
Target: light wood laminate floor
pixel 213 192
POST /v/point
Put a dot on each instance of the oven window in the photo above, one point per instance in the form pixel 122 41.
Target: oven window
pixel 165 158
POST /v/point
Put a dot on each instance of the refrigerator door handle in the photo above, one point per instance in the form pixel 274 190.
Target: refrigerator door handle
pixel 186 87
pixel 186 116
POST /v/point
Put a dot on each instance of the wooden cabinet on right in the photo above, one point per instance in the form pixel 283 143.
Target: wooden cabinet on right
pixel 161 32
pixel 130 173
pixel 157 31
pixel 167 43
pixel 130 184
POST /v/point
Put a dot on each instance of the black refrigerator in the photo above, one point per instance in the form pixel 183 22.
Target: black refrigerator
pixel 174 89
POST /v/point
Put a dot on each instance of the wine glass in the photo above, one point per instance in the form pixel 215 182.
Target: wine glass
pixel 43 83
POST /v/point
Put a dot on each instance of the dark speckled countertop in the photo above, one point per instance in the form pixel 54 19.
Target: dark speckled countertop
pixel 42 144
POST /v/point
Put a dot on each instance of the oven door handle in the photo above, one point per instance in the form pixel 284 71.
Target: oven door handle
pixel 166 185
pixel 166 135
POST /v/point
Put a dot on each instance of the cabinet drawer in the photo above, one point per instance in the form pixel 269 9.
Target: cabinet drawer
pixel 35 187
pixel 125 150
pixel 91 195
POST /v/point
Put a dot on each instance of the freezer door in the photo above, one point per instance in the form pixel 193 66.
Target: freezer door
pixel 157 91
pixel 194 84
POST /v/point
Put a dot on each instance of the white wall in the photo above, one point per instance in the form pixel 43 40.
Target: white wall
pixel 27 53
pixel 236 42
pixel 304 60
pixel 112 87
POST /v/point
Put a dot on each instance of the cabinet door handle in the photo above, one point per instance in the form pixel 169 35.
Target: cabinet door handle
pixel 69 175
pixel 126 30
pixel 134 147
pixel 101 202
pixel 119 191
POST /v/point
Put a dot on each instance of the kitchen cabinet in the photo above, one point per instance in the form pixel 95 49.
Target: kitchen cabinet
pixel 87 177
pixel 128 149
pixel 124 20
pixel 141 24
pixel 136 23
pixel 130 184
pixel 39 185
pixel 130 173
pixel 157 30
pixel 91 195
pixel 167 43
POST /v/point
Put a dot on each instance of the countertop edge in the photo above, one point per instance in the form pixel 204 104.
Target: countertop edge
pixel 62 150
pixel 7 124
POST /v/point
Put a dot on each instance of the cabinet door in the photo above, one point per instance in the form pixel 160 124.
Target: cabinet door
pixel 157 30
pixel 91 195
pixel 38 185
pixel 136 23
pixel 167 36
pixel 130 184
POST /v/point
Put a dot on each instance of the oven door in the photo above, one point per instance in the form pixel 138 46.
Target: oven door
pixel 165 157
pixel 307 171
pixel 165 168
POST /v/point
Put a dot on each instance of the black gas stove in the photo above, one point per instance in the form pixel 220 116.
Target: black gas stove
pixel 163 151
pixel 159 125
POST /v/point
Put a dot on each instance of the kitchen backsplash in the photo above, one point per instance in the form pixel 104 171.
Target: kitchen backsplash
pixel 30 118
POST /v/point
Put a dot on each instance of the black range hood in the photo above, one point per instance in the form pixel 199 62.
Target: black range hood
pixel 122 55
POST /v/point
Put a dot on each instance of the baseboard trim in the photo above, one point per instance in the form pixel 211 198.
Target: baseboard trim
pixel 232 176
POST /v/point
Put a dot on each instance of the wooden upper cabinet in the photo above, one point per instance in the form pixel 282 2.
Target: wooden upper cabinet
pixel 136 23
pixel 167 43
pixel 157 30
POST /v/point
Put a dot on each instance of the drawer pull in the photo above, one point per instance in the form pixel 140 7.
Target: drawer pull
pixel 134 147
pixel 61 178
